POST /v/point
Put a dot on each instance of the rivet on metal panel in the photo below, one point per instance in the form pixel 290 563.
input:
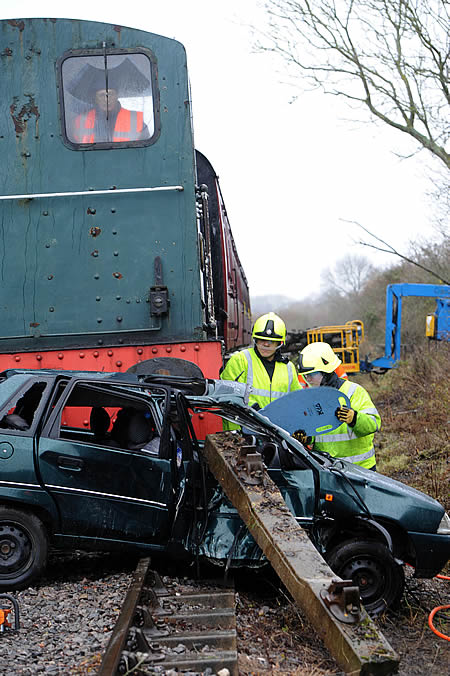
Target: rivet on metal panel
pixel 96 354
pixel 183 348
pixel 45 213
pixel 116 253
pixel 97 298
pixel 168 349
pixel 97 276
pixel 110 353
pixel 50 277
pixel 91 210
pixel 118 363
pixel 94 253
pixel 119 319
pixel 60 355
pixel 81 355
pixel 51 309
pixel 140 350
pixel 99 320
pixel 196 348
pixel 118 297
pixel 86 423
pixel 17 358
pixel 95 231
pixel 154 350
pixel 39 357
pixel 117 275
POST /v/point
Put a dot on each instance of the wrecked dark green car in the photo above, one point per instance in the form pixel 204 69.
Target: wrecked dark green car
pixel 111 461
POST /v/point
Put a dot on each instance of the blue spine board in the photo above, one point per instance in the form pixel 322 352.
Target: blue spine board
pixel 312 410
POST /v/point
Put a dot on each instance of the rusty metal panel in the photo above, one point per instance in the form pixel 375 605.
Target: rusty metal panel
pixel 79 247
pixel 358 647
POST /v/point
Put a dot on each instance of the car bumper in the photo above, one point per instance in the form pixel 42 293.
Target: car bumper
pixel 432 553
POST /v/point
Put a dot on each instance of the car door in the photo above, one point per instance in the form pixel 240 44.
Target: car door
pixel 104 490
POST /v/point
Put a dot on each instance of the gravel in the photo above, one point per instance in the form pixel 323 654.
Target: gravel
pixel 66 620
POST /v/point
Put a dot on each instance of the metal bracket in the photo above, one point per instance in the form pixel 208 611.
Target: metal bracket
pixel 342 600
pixel 250 466
pixel 159 293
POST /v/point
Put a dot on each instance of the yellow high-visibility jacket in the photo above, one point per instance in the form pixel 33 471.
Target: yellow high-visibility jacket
pixel 246 367
pixel 354 444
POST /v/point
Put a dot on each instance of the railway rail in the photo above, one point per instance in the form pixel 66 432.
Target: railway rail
pixel 161 626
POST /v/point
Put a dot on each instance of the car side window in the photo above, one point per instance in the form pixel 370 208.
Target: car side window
pixel 20 415
pixel 106 418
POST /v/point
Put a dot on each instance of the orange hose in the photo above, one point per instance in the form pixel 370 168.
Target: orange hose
pixel 432 627
pixel 435 610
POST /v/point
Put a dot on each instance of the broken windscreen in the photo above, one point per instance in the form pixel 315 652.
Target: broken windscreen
pixel 108 99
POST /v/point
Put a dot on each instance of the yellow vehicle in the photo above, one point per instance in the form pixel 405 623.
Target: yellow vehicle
pixel 344 339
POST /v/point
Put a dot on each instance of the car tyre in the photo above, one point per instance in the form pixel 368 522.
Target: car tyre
pixel 23 548
pixel 372 567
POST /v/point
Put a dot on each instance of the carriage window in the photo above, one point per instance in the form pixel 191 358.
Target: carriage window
pixel 108 99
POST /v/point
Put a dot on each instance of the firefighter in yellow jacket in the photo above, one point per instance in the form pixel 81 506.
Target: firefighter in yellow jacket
pixel 262 367
pixel 353 440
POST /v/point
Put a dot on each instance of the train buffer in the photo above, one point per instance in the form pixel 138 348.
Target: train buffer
pixel 331 604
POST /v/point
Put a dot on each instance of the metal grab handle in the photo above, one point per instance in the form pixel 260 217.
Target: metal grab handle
pixel 73 464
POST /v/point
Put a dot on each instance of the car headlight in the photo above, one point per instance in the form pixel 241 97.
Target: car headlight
pixel 444 526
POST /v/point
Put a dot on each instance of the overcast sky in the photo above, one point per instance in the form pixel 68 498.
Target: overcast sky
pixel 289 172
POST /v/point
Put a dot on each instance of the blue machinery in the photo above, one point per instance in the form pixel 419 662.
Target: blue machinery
pixel 437 326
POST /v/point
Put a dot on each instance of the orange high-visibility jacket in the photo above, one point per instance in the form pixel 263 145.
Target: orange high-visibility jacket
pixel 128 126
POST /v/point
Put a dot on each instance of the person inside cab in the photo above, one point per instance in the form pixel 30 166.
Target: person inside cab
pixel 262 366
pixel 104 119
pixel 353 440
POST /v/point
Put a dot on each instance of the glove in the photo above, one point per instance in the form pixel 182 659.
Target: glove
pixel 302 437
pixel 346 415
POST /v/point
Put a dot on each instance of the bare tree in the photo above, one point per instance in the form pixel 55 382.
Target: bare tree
pixel 348 276
pixel 391 56
pixel 422 253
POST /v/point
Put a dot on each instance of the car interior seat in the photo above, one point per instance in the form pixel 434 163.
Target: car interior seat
pixel 99 423
pixel 140 430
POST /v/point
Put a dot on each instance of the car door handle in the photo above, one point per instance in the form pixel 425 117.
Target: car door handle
pixel 66 462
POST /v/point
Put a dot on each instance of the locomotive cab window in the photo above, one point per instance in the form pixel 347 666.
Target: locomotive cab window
pixel 108 99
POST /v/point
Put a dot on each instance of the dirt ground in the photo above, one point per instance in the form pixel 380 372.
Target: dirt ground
pixel 274 636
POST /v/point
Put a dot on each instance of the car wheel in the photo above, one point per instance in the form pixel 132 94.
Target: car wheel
pixel 23 548
pixel 372 567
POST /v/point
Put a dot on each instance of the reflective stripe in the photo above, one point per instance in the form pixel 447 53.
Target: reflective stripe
pixel 360 457
pixel 369 410
pixel 326 438
pixel 375 421
pixel 291 376
pixel 249 367
pixel 265 393
pixel 350 390
pixel 268 393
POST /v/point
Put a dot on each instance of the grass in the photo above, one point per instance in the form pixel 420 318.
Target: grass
pixel 413 445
